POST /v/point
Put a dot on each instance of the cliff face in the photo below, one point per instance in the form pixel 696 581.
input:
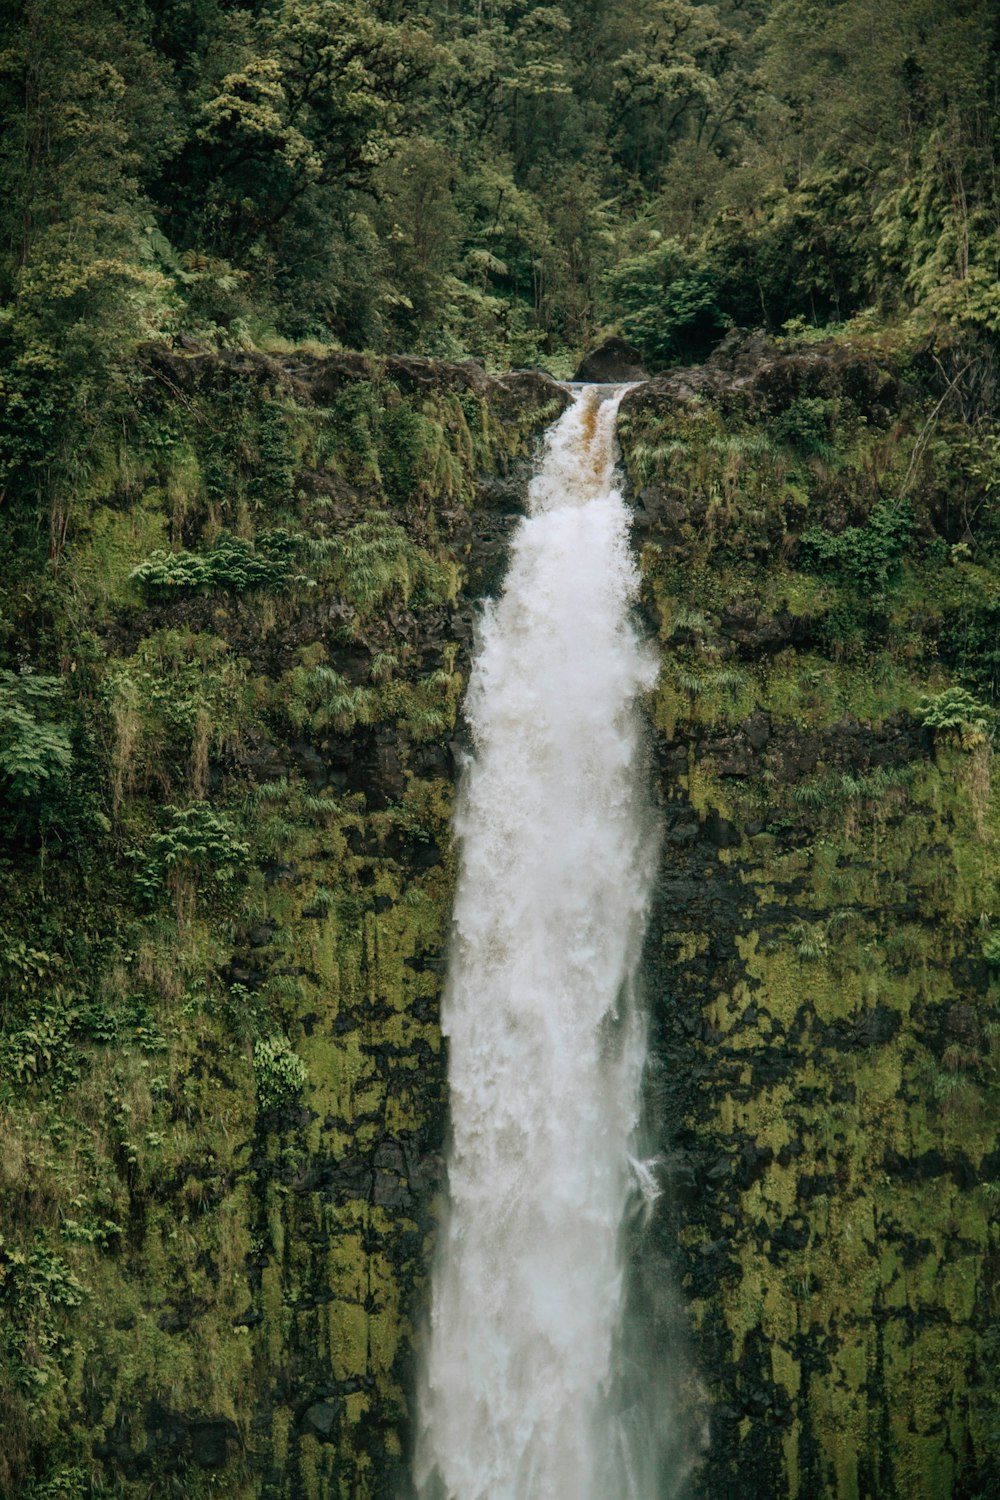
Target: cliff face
pixel 822 965
pixel 221 1093
pixel 222 1102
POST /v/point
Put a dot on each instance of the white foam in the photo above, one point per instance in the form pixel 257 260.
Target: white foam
pixel 545 1046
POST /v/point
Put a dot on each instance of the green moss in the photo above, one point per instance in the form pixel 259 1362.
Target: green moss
pixel 855 893
pixel 236 1260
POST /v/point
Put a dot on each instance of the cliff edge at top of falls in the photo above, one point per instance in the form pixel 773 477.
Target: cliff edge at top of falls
pixel 316 378
pixel 750 371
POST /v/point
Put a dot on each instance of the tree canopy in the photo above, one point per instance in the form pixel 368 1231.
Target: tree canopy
pixel 497 179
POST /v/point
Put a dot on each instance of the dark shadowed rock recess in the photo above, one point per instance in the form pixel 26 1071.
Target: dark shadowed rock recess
pixel 611 363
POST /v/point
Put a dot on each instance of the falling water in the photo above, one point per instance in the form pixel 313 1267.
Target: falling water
pixel 546 1048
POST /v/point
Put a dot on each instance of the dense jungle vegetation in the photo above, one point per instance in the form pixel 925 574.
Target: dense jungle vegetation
pixel 501 181
pixel 498 180
pixel 241 543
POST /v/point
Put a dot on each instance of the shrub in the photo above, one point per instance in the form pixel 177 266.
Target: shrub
pixel 196 841
pixel 807 426
pixel 180 697
pixel 991 950
pixel 866 557
pixel 231 564
pixel 957 713
pixel 34 1285
pixel 970 644
pixel 375 560
pixel 280 1073
pixel 34 746
pixel 666 303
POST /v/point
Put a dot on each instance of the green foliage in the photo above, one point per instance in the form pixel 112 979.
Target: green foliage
pixel 34 744
pixel 973 644
pixel 178 699
pixel 69 1482
pixel 36 1286
pixel 671 84
pixel 310 99
pixel 837 793
pixel 323 699
pixel 376 561
pixel 42 1049
pixel 667 303
pixel 82 110
pixel 956 711
pixel 231 564
pixel 26 967
pixel 196 842
pixel 991 950
pixel 497 181
pixel 807 426
pixel 866 557
pixel 280 1074
pixel 405 437
pixel 472 182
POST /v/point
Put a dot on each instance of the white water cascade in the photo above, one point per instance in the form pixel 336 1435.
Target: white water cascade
pixel 546 1047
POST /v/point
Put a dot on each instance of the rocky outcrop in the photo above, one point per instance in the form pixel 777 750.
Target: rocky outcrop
pixel 319 379
pixel 749 374
pixel 612 363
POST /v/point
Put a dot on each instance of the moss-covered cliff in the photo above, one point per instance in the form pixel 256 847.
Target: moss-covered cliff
pixel 229 690
pixel 819 539
pixel 229 708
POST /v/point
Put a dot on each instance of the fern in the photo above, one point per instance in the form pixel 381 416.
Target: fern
pixel 34 746
pixel 194 840
pixel 231 564
pixel 955 710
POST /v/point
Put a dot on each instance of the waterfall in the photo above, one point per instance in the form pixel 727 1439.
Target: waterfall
pixel 545 1044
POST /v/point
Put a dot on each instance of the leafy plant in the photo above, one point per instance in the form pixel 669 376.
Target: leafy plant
pixel 42 1049
pixel 956 712
pixel 866 557
pixel 971 645
pixel 34 744
pixel 807 426
pixel 68 1482
pixel 231 564
pixel 35 1285
pixel 322 698
pixel 279 1072
pixel 667 297
pixel 376 561
pixel 178 698
pixel 196 841
pixel 991 950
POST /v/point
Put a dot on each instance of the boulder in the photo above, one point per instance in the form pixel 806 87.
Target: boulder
pixel 611 363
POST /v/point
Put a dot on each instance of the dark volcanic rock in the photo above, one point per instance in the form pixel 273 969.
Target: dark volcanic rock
pixel 613 361
pixel 186 366
pixel 319 1419
pixel 750 374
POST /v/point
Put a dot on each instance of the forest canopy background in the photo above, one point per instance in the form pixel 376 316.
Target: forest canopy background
pixel 496 179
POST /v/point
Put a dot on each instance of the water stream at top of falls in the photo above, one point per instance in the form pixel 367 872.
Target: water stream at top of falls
pixel 546 1046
